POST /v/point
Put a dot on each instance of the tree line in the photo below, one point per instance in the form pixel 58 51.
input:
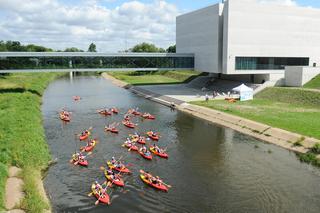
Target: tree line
pixel 16 46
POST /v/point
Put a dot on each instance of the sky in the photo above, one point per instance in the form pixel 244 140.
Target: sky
pixel 113 25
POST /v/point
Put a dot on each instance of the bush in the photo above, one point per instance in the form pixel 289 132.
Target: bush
pixel 316 148
pixel 308 158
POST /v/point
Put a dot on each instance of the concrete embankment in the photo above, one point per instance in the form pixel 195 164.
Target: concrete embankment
pixel 257 130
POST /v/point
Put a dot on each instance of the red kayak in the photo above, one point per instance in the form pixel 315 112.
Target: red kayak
pixel 154 185
pixel 142 140
pixel 148 157
pixel 113 130
pixel 123 169
pixel 132 147
pixel 81 163
pixel 160 154
pixel 115 110
pixel 154 137
pixel 104 198
pixel 85 136
pixel 64 118
pixel 104 112
pixel 148 116
pixel 129 124
pixel 118 181
pixel 76 98
pixel 89 148
pixel 135 113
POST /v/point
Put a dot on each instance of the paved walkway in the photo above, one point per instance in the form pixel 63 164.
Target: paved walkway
pixel 14 191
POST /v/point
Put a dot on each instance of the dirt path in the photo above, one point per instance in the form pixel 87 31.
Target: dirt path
pixel 14 190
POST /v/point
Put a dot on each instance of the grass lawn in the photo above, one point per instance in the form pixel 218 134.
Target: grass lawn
pixel 22 138
pixel 314 83
pixel 294 110
pixel 156 77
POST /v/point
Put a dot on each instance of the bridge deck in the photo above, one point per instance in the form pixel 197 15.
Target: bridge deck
pixel 85 61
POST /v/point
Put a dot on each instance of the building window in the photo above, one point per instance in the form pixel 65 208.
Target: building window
pixel 268 63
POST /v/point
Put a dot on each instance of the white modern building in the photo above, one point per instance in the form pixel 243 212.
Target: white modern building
pixel 251 40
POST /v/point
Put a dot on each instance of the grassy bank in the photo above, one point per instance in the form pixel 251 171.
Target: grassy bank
pixel 294 110
pixel 22 138
pixel 155 77
pixel 314 83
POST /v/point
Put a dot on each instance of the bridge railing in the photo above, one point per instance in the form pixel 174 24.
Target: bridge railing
pixel 84 61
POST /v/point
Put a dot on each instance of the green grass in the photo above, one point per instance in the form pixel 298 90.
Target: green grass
pixel 294 110
pixel 3 177
pixel 314 83
pixel 22 138
pixel 156 77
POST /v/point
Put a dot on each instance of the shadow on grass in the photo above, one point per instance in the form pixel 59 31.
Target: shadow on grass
pixel 19 90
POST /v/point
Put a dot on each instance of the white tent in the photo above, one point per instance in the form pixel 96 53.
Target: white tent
pixel 246 93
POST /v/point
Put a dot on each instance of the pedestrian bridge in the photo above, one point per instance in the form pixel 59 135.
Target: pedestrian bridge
pixel 11 62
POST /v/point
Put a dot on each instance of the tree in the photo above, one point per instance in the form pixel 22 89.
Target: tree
pixel 147 48
pixel 36 48
pixel 73 49
pixel 171 49
pixel 92 48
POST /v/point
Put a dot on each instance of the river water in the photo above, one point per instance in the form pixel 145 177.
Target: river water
pixel 211 168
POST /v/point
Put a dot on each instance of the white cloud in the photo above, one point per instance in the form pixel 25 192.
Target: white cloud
pixel 57 25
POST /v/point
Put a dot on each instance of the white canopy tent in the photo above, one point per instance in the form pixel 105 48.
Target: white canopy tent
pixel 246 93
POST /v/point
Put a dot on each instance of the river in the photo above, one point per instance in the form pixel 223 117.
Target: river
pixel 210 168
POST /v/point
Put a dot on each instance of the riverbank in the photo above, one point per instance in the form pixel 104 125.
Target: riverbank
pixel 155 77
pixel 22 138
pixel 288 140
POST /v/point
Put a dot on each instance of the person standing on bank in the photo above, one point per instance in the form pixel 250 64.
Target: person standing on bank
pixel 207 97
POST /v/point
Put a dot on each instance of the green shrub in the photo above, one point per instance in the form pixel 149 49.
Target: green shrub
pixel 297 143
pixel 316 148
pixel 308 158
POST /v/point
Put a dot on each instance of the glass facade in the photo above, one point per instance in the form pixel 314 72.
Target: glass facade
pixel 109 62
pixel 268 63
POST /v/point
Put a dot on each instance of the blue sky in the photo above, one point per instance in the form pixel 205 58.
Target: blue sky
pixel 186 5
pixel 113 25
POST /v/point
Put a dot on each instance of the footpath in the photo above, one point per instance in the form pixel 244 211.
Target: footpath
pixel 279 137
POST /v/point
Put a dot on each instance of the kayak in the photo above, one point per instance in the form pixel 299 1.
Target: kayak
pixel 142 140
pixel 123 169
pixel 157 186
pixel 81 163
pixel 115 110
pixel 150 117
pixel 163 155
pixel 104 198
pixel 76 98
pixel 153 137
pixel 84 137
pixel 132 147
pixel 118 182
pixel 104 112
pixel 89 148
pixel 129 124
pixel 64 118
pixel 148 157
pixel 113 130
pixel 136 113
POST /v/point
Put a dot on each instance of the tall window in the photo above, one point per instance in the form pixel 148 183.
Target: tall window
pixel 268 63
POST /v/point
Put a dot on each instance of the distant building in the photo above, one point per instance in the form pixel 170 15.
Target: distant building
pixel 249 39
